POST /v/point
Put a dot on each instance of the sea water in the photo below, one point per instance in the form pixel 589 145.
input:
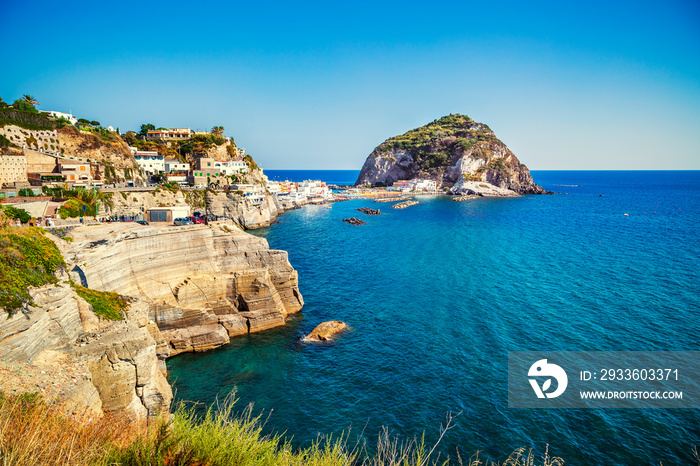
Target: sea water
pixel 438 293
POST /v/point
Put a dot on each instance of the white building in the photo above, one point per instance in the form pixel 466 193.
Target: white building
pixel 167 214
pixel 274 187
pixel 231 167
pixel 150 161
pixel 174 165
pixel 422 185
pixel 73 120
pixel 314 189
pixel 171 133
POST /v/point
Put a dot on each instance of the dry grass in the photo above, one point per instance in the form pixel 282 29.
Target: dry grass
pixel 33 432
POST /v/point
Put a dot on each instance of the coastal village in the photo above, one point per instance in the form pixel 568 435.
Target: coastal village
pixel 142 253
pixel 159 175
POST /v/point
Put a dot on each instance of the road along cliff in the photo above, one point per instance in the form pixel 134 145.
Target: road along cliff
pixel 459 154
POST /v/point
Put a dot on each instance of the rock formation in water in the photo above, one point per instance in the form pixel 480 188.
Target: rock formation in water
pixel 457 153
pixel 354 221
pixel 192 289
pixel 203 284
pixel 326 330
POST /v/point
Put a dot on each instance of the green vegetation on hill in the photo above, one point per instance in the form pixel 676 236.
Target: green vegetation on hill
pixel 434 144
pixel 15 213
pixel 4 142
pixel 28 120
pixel 104 303
pixel 77 198
pixel 27 259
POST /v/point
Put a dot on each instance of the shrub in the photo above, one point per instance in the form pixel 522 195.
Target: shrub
pixel 27 259
pixel 104 303
pixel 16 213
pixel 76 208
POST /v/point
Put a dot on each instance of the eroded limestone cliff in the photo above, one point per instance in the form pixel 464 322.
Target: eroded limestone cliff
pixel 60 348
pixel 242 211
pixel 203 284
pixel 192 288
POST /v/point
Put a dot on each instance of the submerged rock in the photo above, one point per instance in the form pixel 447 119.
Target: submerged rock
pixel 354 221
pixel 326 330
pixel 368 211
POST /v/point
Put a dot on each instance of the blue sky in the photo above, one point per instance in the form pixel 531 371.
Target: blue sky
pixel 593 85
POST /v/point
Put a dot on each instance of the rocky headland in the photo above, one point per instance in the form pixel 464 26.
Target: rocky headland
pixel 459 154
pixel 190 288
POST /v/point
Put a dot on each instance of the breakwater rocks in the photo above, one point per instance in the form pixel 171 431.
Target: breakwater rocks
pixel 327 330
pixel 403 205
pixel 465 198
pixel 354 221
pixel 391 199
pixel 368 211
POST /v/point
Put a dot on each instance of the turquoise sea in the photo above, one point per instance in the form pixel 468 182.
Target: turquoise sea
pixel 438 293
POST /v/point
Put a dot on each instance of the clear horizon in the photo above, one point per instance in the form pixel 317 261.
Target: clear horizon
pixel 318 86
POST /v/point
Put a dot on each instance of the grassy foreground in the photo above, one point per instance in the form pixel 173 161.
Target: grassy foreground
pixel 33 432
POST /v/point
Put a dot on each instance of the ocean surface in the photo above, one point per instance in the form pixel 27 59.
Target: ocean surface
pixel 438 293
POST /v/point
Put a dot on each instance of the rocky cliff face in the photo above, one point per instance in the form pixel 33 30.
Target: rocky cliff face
pixel 203 285
pixel 132 203
pixel 114 152
pixel 193 288
pixel 246 214
pixel 457 153
pixel 60 348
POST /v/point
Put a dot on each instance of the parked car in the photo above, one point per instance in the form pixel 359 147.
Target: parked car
pixel 196 220
pixel 182 221
pixel 142 222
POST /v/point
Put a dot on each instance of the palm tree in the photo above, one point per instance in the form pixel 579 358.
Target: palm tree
pixel 29 99
pixel 218 130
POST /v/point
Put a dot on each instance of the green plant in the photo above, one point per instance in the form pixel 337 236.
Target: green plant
pixel 4 142
pixel 25 192
pixel 104 303
pixel 27 259
pixel 16 213
pixel 77 208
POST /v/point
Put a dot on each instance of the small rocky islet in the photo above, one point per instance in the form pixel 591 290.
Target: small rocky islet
pixel 325 331
pixel 369 211
pixel 460 155
pixel 354 221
